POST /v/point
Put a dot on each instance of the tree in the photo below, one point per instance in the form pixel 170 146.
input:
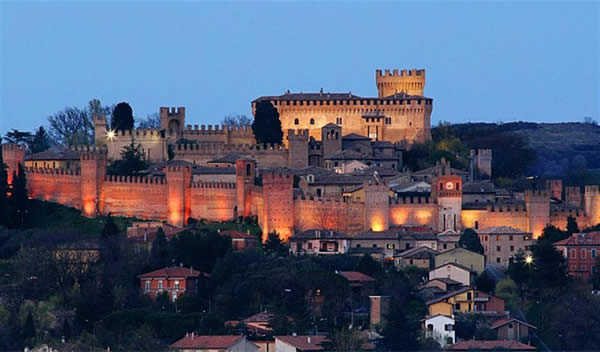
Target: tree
pixel 507 290
pixel 368 266
pixel 122 117
pixel 41 141
pixel 550 268
pixel 274 246
pixel 151 121
pixel 470 241
pixel 66 330
pixel 18 137
pixel 401 331
pixel 4 211
pixel 520 272
pixel 159 254
pixel 110 228
pixel 484 283
pixel 553 234
pixel 236 121
pixel 266 125
pixel 344 340
pixel 29 327
pixel 572 225
pixel 71 126
pixel 19 198
pixel 95 108
pixel 132 160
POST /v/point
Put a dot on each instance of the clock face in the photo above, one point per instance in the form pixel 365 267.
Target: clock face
pixel 449 185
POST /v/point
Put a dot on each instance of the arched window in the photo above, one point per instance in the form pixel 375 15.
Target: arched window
pixel 296 122
pixel 312 121
pixel 248 170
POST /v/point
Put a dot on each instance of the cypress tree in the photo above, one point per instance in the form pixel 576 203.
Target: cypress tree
pixel 19 197
pixel 29 328
pixel 159 254
pixel 266 125
pixel 470 240
pixel 3 192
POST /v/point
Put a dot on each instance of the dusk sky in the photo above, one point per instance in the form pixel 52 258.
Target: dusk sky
pixel 490 62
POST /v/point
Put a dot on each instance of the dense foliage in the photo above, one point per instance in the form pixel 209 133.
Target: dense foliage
pixel 122 117
pixel 266 125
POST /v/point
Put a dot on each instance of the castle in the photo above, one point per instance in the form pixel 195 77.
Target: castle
pixel 339 169
pixel 399 113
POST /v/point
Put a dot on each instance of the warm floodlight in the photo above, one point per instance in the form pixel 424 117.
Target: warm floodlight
pixel 110 135
pixel 529 259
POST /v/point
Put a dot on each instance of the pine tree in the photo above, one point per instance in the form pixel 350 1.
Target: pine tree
pixel 470 240
pixel 41 141
pixel 110 228
pixel 266 125
pixel 572 226
pixel 274 245
pixel 122 117
pixel 4 206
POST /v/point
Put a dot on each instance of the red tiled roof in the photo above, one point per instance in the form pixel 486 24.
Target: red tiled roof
pixel 174 271
pixel 581 239
pixel 206 342
pixel 501 322
pixel 260 317
pixel 302 344
pixel 491 344
pixel 356 276
pixel 237 235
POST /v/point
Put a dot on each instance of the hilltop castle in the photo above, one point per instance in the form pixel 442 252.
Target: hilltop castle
pixel 399 113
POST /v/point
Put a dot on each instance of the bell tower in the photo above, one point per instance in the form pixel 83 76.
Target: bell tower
pixel 447 191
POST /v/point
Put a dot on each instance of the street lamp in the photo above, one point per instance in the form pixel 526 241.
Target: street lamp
pixel 110 135
pixel 529 259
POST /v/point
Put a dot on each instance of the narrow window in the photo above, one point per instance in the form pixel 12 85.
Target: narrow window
pixel 312 121
pixel 296 122
pixel 248 170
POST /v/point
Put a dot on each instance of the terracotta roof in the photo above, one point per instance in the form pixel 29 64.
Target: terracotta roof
pixel 54 154
pixel 581 239
pixel 501 322
pixel 356 276
pixel 229 158
pixel 238 235
pixel 302 342
pixel 489 345
pixel 205 170
pixel 448 295
pixel 446 280
pixel 206 342
pixel 173 272
pixel 319 233
pixel 264 317
pixel 479 187
pixel 355 137
pixel 500 230
pixel 417 253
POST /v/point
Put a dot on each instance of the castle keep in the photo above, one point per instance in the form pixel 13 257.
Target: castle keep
pixel 399 113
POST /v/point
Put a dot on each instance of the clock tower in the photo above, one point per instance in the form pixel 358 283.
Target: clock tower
pixel 446 190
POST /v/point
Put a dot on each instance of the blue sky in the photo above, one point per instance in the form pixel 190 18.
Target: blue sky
pixel 492 61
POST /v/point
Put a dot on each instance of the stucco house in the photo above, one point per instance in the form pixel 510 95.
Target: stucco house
pixel 214 343
pixel 440 327
pixel 512 329
pixel 471 260
pixel 452 271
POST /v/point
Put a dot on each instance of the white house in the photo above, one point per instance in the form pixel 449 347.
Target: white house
pixel 452 271
pixel 440 328
pixel 299 343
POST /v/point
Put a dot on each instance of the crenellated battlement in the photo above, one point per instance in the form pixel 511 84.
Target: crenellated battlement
pixel 297 134
pixel 537 195
pixel 327 201
pixel 216 148
pixel 505 208
pixel 592 190
pixel 179 168
pixel 172 111
pixel 212 129
pixel 51 171
pixel 135 179
pixel 277 176
pixel 412 200
pixel 13 147
pixel 398 73
pixel 214 185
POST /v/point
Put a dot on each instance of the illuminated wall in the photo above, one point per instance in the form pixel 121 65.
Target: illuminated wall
pixel 342 216
pixel 413 211
pixel 141 197
pixel 213 201
pixel 55 185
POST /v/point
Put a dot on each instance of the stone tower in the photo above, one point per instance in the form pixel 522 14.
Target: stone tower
pixel 592 204
pixel 331 137
pixel 172 121
pixel 411 82
pixel 377 204
pixel 93 171
pixel 555 188
pixel 179 180
pixel 100 128
pixel 298 148
pixel 446 190
pixel 537 204
pixel 573 195
pixel 278 203
pixel 245 170
pixel 13 155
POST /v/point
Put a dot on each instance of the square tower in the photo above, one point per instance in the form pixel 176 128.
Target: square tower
pixel 172 120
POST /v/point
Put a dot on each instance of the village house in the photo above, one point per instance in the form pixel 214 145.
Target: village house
pixel 54 158
pixel 465 300
pixel 581 251
pixel 421 257
pixel 439 327
pixel 299 343
pixel 444 284
pixel 240 240
pixel 174 281
pixel 501 243
pixel 473 261
pixel 452 271
pixel 213 343
pixel 512 329
pixel 362 287
pixel 448 240
pixel 319 242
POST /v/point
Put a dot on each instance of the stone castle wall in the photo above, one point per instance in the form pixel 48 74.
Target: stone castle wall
pixel 55 185
pixel 335 214
pixel 216 201
pixel 140 197
pixel 414 211
pixel 267 156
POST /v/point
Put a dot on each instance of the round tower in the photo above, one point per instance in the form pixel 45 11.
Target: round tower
pixel 411 82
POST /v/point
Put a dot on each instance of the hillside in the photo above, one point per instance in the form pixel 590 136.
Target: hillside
pixel 543 149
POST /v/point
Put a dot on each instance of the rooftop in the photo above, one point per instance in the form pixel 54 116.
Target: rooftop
pixel 205 170
pixel 54 154
pixel 502 322
pixel 304 343
pixel 356 276
pixel 324 96
pixel 206 342
pixel 500 230
pixel 581 239
pixel 319 233
pixel 487 345
pixel 173 272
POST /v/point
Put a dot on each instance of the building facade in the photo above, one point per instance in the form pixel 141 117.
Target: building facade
pixel 581 251
pixel 502 243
